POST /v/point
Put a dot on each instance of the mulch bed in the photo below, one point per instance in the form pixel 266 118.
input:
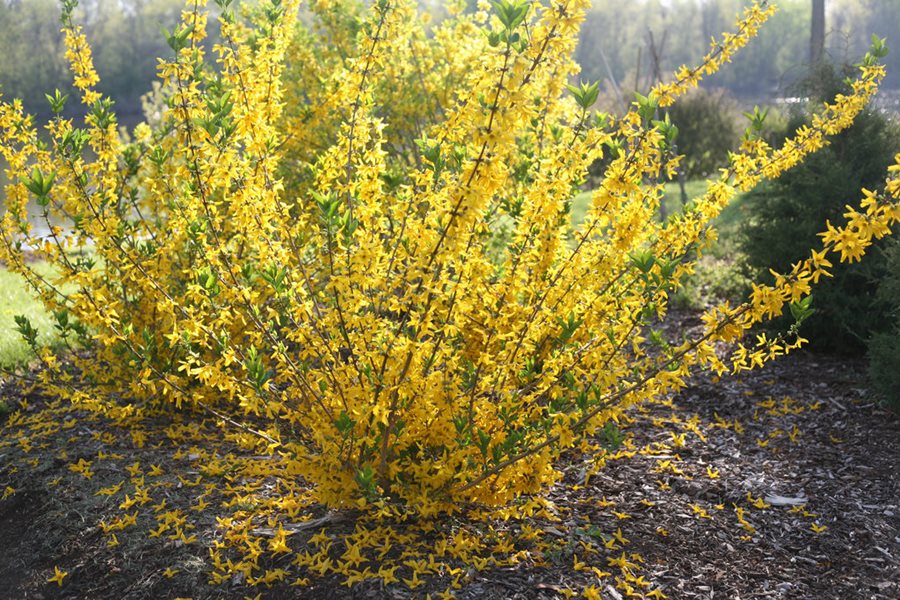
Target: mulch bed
pixel 780 483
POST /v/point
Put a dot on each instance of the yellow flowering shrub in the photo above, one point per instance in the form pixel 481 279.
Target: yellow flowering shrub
pixel 350 240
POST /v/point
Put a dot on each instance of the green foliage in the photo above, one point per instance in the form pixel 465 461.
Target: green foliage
pixel 884 365
pixel 715 278
pixel 787 214
pixel 884 347
pixel 611 437
pixel 32 49
pixel 706 131
pixel 128 40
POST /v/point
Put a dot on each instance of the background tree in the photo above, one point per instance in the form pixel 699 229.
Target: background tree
pixel 817 33
pixel 127 39
pixel 770 65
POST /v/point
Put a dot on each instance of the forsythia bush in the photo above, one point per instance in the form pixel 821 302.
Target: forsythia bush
pixel 307 246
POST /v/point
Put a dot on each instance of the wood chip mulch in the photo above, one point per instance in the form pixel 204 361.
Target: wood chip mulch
pixel 777 484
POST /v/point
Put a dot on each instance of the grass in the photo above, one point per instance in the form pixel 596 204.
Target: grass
pixel 16 299
pixel 727 223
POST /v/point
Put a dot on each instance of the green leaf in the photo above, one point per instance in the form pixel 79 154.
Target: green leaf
pixel 209 281
pixel 569 326
pixel 25 329
pixel 646 105
pixel 879 48
pixel 365 479
pixel 57 101
pixel 484 440
pixel 344 424
pixel 667 129
pixel 511 14
pixel 643 260
pixel 62 320
pixel 585 94
pixel 802 309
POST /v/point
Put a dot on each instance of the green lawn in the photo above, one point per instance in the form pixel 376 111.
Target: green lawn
pixel 727 222
pixel 16 299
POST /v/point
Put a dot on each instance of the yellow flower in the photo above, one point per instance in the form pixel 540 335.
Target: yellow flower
pixel 278 544
pixel 414 581
pixel 700 511
pixel 591 593
pixel 757 502
pixel 58 576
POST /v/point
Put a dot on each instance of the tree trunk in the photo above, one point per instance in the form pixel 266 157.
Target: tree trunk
pixel 817 33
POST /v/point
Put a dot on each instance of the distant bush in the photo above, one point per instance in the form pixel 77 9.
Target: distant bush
pixel 788 213
pixel 707 122
pixel 713 280
pixel 707 131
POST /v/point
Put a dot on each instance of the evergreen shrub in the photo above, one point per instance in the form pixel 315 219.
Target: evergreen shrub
pixel 786 215
pixel 884 346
